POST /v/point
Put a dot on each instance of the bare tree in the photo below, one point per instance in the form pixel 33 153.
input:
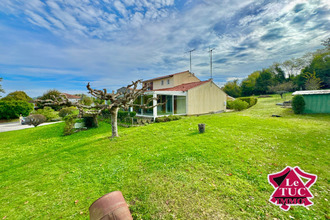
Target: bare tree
pixel 282 88
pixel 123 98
pixel 62 100
pixel 294 66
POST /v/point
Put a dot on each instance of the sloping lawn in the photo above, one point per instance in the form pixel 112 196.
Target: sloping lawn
pixel 167 170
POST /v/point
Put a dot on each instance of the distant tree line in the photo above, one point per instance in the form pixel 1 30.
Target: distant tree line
pixel 309 72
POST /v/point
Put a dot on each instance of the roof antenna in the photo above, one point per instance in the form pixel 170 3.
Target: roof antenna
pixel 210 51
pixel 190 60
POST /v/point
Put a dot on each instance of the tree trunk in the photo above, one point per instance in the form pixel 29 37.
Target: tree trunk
pixel 114 113
pixel 95 121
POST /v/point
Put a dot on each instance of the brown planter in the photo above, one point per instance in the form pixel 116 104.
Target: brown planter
pixel 111 206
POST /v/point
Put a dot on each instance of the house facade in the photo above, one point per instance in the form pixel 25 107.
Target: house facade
pixel 72 98
pixel 183 94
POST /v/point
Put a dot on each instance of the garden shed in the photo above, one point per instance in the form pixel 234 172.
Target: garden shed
pixel 316 101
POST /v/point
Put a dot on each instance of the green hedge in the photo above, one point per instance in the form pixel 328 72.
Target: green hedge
pixel 250 100
pixel 13 109
pixel 121 114
pixel 168 118
pixel 239 105
pixel 229 104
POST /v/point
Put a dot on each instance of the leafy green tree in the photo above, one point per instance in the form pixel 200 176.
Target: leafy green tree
pixel 248 84
pixel 232 88
pixel 98 101
pixel 263 82
pixel 321 66
pixel 278 73
pixel 13 109
pixel 1 89
pixel 51 94
pixel 86 100
pixel 17 96
pixel 312 82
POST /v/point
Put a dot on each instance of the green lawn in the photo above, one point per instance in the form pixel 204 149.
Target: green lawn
pixel 167 170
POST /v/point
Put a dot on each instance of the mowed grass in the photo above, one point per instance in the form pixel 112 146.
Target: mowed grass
pixel 167 170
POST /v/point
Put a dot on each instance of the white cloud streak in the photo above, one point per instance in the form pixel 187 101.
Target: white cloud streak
pixel 114 42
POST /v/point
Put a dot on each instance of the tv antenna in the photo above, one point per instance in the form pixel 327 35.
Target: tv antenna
pixel 190 58
pixel 210 51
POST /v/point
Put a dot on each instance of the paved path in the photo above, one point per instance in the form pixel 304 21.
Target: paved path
pixel 13 126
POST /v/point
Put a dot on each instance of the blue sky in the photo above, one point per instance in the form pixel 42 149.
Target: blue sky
pixel 63 44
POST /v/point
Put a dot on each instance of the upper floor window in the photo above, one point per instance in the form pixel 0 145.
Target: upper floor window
pixel 162 83
pixel 168 81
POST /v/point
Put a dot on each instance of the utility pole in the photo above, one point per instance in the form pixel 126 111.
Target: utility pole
pixel 210 51
pixel 190 59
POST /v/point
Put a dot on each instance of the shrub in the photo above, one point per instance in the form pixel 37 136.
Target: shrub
pixel 69 124
pixel 240 105
pixel 174 117
pixel 168 118
pixel 67 111
pixel 298 104
pixel 13 109
pixel 250 100
pixel 34 120
pixel 132 114
pixel 48 112
pixel 229 104
pixel 122 115
pixel 105 113
pixel 87 100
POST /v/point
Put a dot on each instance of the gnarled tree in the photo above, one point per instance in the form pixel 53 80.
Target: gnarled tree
pixel 123 98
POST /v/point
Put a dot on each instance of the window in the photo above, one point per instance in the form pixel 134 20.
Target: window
pixel 162 83
pixel 168 81
pixel 179 104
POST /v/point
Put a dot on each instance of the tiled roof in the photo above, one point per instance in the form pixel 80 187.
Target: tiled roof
pixel 71 96
pixel 184 87
pixel 162 77
pixel 312 92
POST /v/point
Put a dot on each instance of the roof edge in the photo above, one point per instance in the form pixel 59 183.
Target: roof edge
pixel 163 77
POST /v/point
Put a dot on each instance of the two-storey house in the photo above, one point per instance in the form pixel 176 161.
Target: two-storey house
pixel 183 94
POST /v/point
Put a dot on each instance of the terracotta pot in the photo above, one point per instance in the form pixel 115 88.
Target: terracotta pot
pixel 111 206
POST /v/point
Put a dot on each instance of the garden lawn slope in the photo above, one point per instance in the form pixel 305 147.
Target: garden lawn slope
pixel 167 170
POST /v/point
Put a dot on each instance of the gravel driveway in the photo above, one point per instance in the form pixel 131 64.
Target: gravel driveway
pixel 13 126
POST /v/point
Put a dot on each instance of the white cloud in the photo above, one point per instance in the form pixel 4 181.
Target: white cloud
pixel 91 40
